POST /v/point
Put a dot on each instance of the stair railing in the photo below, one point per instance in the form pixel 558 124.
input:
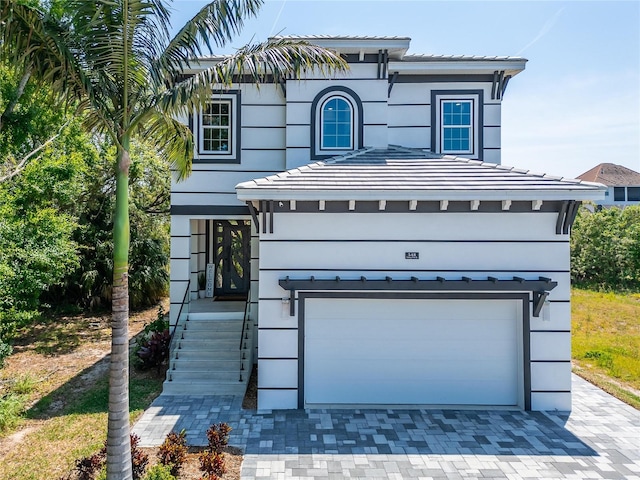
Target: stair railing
pixel 246 339
pixel 183 313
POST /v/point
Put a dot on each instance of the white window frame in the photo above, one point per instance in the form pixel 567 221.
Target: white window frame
pixel 228 128
pixel 469 127
pixel 232 155
pixel 476 143
pixel 351 98
pixel 351 123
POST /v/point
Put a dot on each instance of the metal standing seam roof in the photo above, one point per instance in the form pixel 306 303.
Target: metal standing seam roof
pixel 461 58
pixel 397 173
pixel 341 37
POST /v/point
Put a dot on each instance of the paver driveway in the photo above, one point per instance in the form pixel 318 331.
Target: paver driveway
pixel 600 439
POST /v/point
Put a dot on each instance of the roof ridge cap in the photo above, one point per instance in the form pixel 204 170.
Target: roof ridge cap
pixel 344 156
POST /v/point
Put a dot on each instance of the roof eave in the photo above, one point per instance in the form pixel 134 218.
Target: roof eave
pixel 249 191
pixel 510 67
pixel 396 47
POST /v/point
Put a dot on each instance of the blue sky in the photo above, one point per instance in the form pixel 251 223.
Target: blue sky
pixel 577 104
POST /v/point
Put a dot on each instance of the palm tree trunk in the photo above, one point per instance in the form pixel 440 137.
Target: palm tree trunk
pixel 118 441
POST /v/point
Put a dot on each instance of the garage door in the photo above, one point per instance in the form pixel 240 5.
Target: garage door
pixel 412 351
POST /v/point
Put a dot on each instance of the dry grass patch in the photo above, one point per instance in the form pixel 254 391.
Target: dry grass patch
pixel 66 358
pixel 60 368
pixel 606 341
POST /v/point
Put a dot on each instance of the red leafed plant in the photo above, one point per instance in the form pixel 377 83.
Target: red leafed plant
pixel 212 459
pixel 173 451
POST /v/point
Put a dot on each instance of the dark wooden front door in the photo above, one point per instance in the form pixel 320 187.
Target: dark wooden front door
pixel 232 255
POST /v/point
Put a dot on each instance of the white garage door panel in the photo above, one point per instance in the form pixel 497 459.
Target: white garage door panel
pixel 362 351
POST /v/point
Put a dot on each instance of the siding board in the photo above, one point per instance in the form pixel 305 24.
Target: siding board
pixel 263 116
pixel 275 399
pixel 278 374
pixel 435 256
pixel 426 226
pixel 263 138
pixel 410 115
pixel 550 346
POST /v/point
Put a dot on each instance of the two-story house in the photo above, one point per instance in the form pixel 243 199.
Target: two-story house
pixel 388 256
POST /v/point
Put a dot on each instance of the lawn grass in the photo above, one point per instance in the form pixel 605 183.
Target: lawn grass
pixel 606 341
pixel 59 373
pixel 76 431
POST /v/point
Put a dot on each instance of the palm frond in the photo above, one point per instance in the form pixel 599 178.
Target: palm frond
pixel 175 140
pixel 30 38
pixel 117 43
pixel 271 61
pixel 214 25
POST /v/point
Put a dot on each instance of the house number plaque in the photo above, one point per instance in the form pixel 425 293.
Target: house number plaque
pixel 412 255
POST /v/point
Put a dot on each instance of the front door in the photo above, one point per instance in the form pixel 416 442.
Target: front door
pixel 232 255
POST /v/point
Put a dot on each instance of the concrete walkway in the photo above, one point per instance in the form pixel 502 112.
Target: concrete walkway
pixel 600 439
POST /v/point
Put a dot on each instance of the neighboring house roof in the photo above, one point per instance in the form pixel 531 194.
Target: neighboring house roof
pixel 612 175
pixel 398 173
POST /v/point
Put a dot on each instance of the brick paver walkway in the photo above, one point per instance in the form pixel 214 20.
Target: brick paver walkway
pixel 600 439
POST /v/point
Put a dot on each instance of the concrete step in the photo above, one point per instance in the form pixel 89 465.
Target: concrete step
pixel 214 324
pixel 216 315
pixel 206 360
pixel 208 376
pixel 209 335
pixel 211 329
pixel 177 387
pixel 207 355
pixel 208 344
pixel 205 365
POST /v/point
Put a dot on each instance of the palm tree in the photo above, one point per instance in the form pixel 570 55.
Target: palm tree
pixel 118 62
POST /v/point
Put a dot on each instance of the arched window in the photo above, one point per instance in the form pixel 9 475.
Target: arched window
pixel 336 124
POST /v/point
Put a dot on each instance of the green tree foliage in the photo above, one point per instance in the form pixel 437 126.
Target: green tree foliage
pixel 56 215
pixel 89 286
pixel 118 59
pixel 27 117
pixel 605 249
pixel 37 225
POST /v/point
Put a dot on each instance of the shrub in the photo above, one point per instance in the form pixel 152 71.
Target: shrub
pixel 160 324
pixel 153 346
pixel 218 437
pixel 87 467
pixel 212 459
pixel 173 452
pixel 212 464
pixel 94 468
pixel 139 459
pixel 605 249
pixel 159 472
pixel 154 351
